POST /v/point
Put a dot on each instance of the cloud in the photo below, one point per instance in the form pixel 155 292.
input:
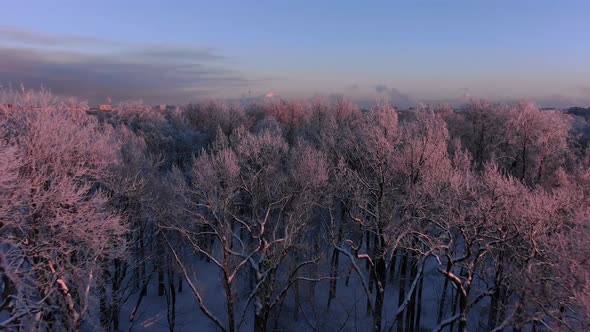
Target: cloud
pixel 10 34
pixel 178 54
pixel 394 95
pixel 152 73
pixel 380 88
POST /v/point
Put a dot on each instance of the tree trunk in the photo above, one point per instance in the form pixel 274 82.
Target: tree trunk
pixel 160 266
pixel 402 289
pixel 419 302
pixel 228 293
pixel 161 286
pixel 230 307
pixel 336 259
pixel 441 305
pixel 143 260
pixel 259 323
pixel 410 313
pixel 380 280
pixel 262 302
pixel 462 312
pixel 179 283
pixel 368 248
pixel 455 305
pixel 333 274
pixel 493 314
pixel 392 267
pixel 172 307
pixel 116 296
pixel 348 273
pixel 371 286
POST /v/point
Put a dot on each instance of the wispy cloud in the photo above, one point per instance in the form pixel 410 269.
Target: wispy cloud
pixel 47 39
pixel 149 72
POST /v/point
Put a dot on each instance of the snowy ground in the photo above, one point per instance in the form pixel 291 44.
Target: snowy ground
pixel 346 313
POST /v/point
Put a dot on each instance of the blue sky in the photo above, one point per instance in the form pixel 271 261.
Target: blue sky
pixel 408 51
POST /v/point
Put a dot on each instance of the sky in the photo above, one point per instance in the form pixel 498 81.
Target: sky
pixel 405 51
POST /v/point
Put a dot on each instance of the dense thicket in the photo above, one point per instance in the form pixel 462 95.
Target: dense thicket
pixel 442 219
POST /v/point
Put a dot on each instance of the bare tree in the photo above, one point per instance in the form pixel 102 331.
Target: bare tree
pixel 251 205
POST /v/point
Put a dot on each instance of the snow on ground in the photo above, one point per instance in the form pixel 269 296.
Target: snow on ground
pixel 346 313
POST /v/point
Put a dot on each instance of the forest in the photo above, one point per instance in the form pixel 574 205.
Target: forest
pixel 282 215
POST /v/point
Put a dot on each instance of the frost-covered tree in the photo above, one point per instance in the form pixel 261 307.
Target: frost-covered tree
pixel 56 223
pixel 252 204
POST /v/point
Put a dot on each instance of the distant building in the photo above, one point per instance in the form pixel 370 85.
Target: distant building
pixel 105 107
